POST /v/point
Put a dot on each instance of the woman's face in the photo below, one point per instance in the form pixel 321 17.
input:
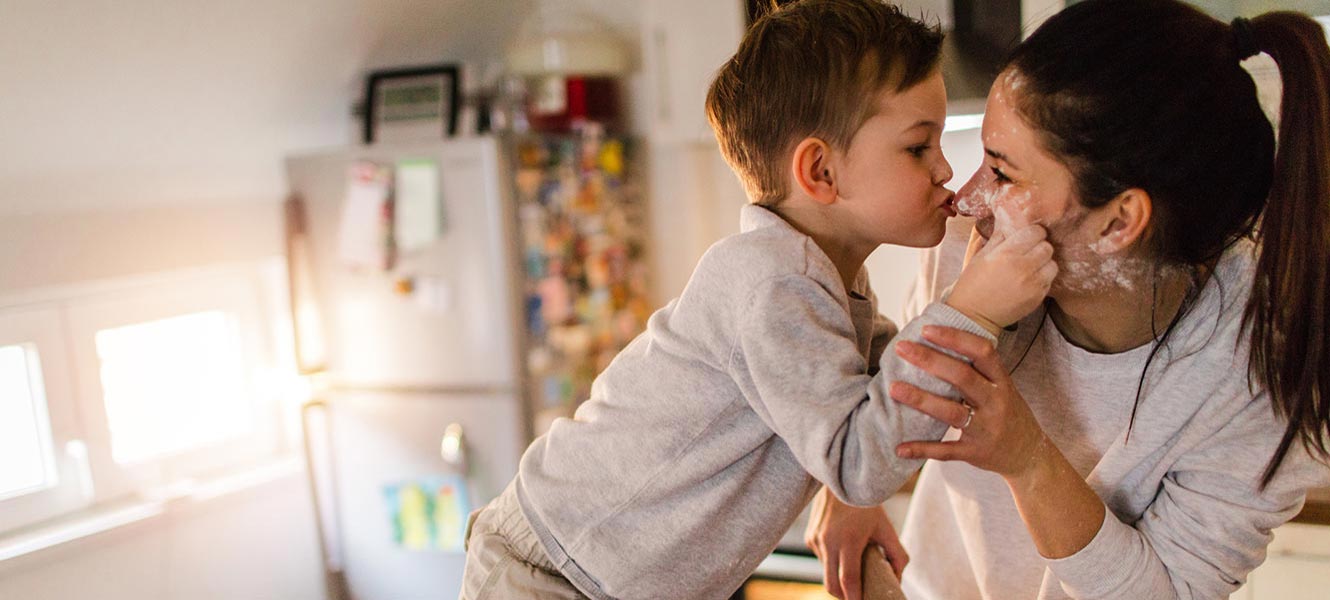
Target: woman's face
pixel 1020 183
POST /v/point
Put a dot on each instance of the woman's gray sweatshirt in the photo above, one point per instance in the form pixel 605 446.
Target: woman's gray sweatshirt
pixel 1186 517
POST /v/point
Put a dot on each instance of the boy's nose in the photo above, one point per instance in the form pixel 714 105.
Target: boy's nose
pixel 942 174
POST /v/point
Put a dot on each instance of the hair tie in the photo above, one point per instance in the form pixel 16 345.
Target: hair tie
pixel 1244 38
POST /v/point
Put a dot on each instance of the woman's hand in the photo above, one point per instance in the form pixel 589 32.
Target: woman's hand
pixel 998 431
pixel 1000 434
pixel 838 534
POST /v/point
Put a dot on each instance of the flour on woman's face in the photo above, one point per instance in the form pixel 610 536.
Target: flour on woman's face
pixel 1019 183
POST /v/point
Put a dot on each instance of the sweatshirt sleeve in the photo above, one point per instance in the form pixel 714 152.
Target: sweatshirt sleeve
pixel 797 362
pixel 1209 524
pixel 884 330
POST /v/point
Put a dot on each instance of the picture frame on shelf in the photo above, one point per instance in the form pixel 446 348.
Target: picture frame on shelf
pixel 412 104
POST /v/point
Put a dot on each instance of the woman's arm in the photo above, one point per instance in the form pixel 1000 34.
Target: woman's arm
pixel 1060 510
pixel 1206 529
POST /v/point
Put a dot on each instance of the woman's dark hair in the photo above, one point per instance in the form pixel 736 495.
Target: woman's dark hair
pixel 1150 94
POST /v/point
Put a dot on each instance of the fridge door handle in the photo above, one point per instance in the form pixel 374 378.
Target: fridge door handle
pixel 453 447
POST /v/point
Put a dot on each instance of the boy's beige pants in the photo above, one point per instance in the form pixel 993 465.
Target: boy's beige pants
pixel 505 561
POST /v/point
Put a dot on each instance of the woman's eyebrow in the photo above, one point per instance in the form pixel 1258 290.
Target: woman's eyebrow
pixel 1002 157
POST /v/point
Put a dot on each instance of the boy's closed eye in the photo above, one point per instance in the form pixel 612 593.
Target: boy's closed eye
pixel 918 150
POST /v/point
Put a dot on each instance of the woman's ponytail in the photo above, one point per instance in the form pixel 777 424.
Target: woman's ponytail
pixel 1289 308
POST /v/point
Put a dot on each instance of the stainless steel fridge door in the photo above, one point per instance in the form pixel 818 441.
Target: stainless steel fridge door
pixel 382 438
pixel 457 327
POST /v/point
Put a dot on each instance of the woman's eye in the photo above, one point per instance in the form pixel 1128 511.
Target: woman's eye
pixel 1001 177
pixel 919 150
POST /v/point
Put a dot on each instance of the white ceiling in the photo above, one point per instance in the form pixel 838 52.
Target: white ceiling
pixel 109 104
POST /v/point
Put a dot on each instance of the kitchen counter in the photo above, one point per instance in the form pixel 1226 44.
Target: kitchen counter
pixel 1317 509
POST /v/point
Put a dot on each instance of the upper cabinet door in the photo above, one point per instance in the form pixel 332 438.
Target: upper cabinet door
pixel 684 43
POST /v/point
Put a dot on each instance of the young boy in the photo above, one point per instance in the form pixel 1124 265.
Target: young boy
pixel 767 377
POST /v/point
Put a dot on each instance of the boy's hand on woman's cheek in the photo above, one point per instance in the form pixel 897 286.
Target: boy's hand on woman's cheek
pixel 1006 278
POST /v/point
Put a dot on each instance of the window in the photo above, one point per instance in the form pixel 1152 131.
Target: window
pixel 25 431
pixel 134 388
pixel 176 378
pixel 173 385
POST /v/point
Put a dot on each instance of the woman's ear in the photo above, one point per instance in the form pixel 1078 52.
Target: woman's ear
pixel 1125 220
pixel 813 172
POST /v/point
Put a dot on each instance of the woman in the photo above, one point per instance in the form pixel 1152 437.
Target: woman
pixel 1141 435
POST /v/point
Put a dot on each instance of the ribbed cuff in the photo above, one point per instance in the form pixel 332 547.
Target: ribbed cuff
pixel 939 313
pixel 1103 565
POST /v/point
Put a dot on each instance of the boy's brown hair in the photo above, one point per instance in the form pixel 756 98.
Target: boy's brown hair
pixel 811 68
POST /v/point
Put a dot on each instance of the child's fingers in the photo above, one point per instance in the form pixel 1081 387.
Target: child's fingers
pixel 831 575
pixel 1025 238
pixel 896 554
pixel 1048 272
pixel 851 583
pixel 1017 241
pixel 995 239
pixel 1041 252
pixel 977 243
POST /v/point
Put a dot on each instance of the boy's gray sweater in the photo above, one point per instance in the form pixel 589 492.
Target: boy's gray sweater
pixel 705 437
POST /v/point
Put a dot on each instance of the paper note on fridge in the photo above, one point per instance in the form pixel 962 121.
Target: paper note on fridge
pixel 365 234
pixel 417 214
pixel 428 513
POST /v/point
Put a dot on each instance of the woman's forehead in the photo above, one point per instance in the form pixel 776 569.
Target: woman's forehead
pixel 1006 133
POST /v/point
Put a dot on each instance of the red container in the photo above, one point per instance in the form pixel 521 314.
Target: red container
pixel 561 103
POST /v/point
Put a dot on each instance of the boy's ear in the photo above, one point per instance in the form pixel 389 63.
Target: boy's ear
pixel 1125 220
pixel 813 171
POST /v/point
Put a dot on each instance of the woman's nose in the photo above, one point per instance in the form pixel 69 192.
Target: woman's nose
pixel 972 199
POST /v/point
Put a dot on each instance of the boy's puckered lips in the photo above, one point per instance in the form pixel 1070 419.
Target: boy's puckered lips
pixel 949 205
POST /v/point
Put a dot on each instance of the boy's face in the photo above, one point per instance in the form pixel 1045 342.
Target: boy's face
pixel 890 179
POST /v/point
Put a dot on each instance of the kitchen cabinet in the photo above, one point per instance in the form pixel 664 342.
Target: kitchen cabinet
pixel 684 43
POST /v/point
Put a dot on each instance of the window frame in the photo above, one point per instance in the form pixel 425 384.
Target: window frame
pixel 41 327
pixel 239 291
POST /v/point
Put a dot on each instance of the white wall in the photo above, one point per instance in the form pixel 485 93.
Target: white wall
pixel 152 102
pixel 145 135
pixel 257 545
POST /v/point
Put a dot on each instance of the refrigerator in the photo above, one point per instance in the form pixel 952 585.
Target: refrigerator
pixel 450 298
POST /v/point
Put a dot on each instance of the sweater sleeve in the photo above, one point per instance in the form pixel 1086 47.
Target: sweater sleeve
pixel 884 330
pixel 797 362
pixel 1209 524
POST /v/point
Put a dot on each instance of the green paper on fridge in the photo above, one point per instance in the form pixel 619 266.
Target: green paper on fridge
pixel 429 513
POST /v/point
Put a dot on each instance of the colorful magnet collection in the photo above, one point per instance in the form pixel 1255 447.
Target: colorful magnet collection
pixel 582 230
